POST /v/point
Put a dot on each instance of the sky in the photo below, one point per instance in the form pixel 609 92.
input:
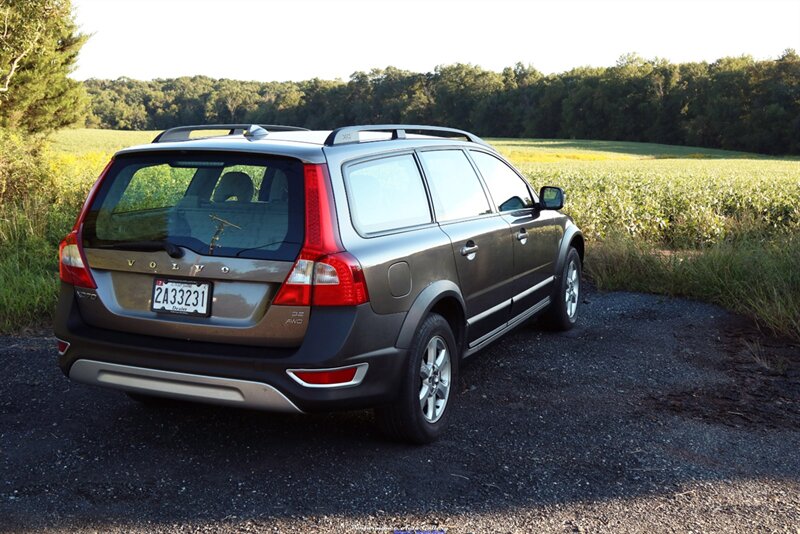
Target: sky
pixel 280 40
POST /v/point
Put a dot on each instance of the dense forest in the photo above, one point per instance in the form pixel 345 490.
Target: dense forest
pixel 734 103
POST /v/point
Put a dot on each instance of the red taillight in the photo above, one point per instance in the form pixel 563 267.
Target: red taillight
pixel 63 347
pixel 296 289
pixel 322 236
pixel 339 281
pixel 72 267
pixel 342 376
pixel 323 275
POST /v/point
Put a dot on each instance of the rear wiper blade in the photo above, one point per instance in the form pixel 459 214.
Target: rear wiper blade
pixel 172 249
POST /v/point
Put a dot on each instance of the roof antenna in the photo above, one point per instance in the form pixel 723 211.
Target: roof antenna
pixel 254 131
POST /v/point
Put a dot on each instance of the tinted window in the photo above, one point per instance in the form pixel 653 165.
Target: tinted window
pixel 154 186
pixel 387 194
pixel 455 188
pixel 506 187
pixel 219 204
pixel 254 175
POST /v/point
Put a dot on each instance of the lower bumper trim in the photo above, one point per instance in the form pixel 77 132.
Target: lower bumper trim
pixel 184 386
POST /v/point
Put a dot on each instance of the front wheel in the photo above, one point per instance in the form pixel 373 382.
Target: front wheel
pixel 422 409
pixel 563 311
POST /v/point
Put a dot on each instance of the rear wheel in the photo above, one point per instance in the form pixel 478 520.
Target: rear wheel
pixel 563 311
pixel 421 411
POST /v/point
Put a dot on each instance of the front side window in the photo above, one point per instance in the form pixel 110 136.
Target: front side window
pixel 506 187
pixel 386 194
pixel 455 188
pixel 217 204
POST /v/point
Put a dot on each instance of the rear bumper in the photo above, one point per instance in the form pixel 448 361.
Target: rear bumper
pixel 253 377
pixel 184 386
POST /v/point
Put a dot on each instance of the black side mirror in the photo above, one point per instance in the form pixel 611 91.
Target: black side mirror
pixel 551 198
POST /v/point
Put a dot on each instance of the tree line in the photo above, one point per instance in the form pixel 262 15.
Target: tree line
pixel 734 103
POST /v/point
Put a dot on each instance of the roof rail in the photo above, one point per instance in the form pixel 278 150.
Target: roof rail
pixel 349 134
pixel 182 133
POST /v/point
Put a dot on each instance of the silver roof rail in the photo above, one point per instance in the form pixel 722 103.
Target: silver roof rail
pixel 349 134
pixel 182 133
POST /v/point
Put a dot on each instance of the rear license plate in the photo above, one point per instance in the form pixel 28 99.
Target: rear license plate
pixel 181 297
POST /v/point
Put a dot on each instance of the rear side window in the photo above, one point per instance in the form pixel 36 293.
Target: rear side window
pixel 216 204
pixel 455 188
pixel 386 194
pixel 506 187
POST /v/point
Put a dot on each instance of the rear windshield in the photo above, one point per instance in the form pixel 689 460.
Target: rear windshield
pixel 214 203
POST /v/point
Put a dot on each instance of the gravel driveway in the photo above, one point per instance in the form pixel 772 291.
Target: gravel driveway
pixel 653 415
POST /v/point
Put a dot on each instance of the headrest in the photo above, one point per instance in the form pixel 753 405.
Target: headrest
pixel 234 184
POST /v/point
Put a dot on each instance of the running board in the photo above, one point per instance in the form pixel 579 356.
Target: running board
pixel 482 341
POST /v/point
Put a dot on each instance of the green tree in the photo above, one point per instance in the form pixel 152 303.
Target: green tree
pixel 502 113
pixel 231 100
pixel 39 44
pixel 457 91
pixel 322 104
pixel 583 110
pixel 774 113
pixel 728 102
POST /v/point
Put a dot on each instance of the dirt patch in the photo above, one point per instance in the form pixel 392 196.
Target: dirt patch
pixel 764 389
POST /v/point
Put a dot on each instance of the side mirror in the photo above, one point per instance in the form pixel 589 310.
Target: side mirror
pixel 551 198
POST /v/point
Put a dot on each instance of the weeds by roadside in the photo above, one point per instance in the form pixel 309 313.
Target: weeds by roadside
pixel 40 194
pixel 755 278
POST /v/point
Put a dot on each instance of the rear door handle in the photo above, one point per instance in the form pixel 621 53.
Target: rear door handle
pixel 469 250
pixel 522 236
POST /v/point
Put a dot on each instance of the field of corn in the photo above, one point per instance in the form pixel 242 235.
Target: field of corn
pixel 719 226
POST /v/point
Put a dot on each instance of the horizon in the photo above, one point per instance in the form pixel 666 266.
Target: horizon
pixel 431 71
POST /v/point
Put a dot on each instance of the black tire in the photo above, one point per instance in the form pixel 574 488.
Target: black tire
pixel 557 316
pixel 403 419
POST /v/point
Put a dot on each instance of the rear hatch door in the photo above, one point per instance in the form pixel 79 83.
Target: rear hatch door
pixel 195 245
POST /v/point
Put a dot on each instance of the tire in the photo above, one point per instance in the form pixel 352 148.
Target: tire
pixel 563 311
pixel 432 364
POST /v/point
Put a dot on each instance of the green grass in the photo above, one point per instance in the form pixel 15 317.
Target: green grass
pixel 30 284
pixel 560 149
pixel 82 141
pixel 709 224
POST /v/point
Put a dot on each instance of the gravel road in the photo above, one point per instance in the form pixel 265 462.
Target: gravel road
pixel 653 415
